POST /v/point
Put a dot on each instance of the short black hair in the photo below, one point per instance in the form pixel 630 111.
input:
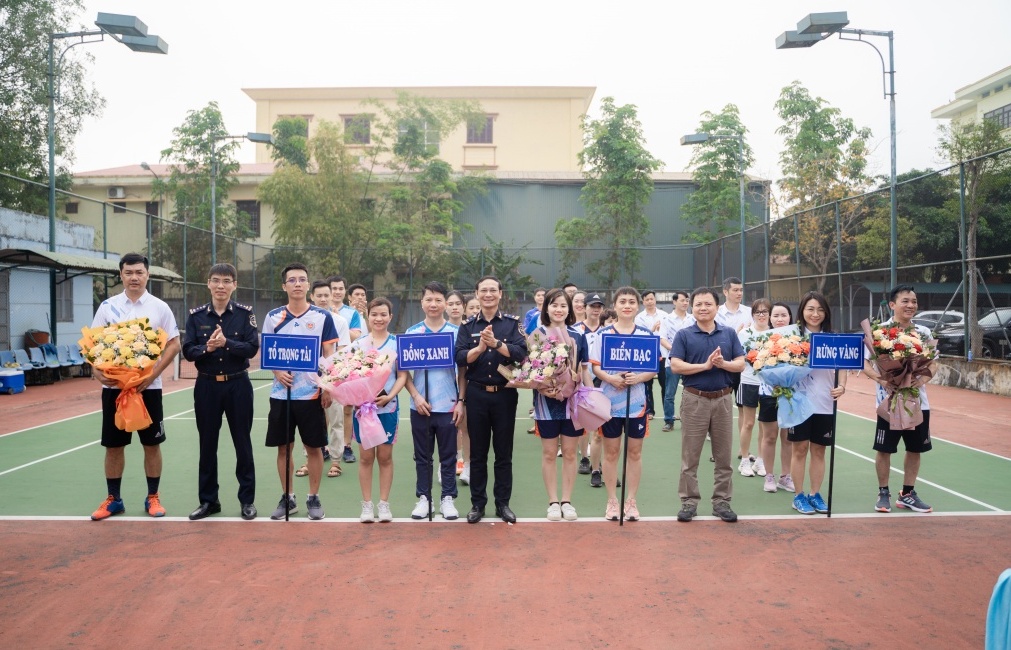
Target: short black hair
pixel 549 298
pixel 223 269
pixel 435 287
pixel 732 280
pixel 701 291
pixel 319 284
pixel 337 278
pixel 648 292
pixel 901 288
pixel 458 294
pixel 294 266
pixel 679 293
pixel 352 288
pixel 133 258
pixel 488 277
pixel 567 285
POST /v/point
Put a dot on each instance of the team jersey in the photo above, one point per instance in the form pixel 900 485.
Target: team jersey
pixel 389 346
pixel 441 389
pixel 313 322
pixel 343 334
pixel 546 408
pixel 637 406
pixel 531 321
pixel 818 387
pixel 882 395
pixel 120 308
pixel 352 316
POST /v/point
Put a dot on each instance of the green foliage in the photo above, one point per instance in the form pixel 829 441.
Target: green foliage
pixel 24 42
pixel 291 142
pixel 492 259
pixel 618 171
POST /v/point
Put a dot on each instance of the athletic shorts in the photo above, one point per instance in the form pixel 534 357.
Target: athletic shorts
pixel 150 437
pixel 306 414
pixel 747 395
pixel 389 422
pixel 817 430
pixel 551 429
pixel 768 408
pixel 615 427
pixel 915 440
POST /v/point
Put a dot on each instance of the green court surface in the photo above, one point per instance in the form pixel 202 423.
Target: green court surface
pixel 56 470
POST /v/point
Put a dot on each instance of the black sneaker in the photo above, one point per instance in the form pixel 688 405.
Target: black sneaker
pixel 348 456
pixel 595 479
pixel 584 465
pixel 723 511
pixel 687 512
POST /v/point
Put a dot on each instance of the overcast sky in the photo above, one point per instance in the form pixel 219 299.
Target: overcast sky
pixel 672 59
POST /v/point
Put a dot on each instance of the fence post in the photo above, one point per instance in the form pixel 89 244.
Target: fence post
pixel 838 258
pixel 185 266
pixel 963 248
pixel 796 245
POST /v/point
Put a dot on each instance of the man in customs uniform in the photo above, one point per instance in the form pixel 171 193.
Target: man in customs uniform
pixel 220 340
pixel 486 340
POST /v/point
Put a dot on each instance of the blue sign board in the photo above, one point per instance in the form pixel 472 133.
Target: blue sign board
pixel 629 353
pixel 289 352
pixel 425 350
pixel 839 351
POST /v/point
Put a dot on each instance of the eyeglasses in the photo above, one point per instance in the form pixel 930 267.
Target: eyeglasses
pixel 760 312
pixel 294 281
pixel 224 282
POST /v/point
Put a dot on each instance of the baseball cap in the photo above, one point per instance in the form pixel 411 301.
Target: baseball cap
pixel 594 299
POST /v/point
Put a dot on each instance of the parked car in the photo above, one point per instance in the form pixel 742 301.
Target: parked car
pixel 936 320
pixel 996 326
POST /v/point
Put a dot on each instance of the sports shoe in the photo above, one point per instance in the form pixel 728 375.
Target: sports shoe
pixel 584 465
pixel 611 511
pixel 459 466
pixel 279 510
pixel 785 483
pixel 802 505
pixel 818 503
pixel 759 467
pixel 596 480
pixel 910 501
pixel 153 506
pixel 631 510
pixel 554 511
pixel 723 511
pixel 668 426
pixel 448 508
pixel 770 483
pixel 368 515
pixel 111 506
pixel 348 456
pixel 465 474
pixel 745 467
pixel 687 512
pixel 314 508
pixel 884 503
pixel 385 515
pixel 421 509
pixel 568 512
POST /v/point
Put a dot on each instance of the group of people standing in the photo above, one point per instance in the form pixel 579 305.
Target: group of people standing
pixel 463 413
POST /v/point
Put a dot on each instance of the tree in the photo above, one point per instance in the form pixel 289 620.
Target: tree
pixel 291 138
pixel 968 145
pixel 492 259
pixel 23 99
pixel 619 183
pixel 824 160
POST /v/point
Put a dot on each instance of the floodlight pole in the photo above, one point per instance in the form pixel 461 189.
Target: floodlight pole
pixel 260 138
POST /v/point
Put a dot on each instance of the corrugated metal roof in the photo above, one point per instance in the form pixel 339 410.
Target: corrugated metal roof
pixel 70 262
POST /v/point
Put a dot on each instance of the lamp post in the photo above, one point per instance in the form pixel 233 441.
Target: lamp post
pixel 131 32
pixel 260 138
pixel 150 230
pixel 815 28
pixel 699 138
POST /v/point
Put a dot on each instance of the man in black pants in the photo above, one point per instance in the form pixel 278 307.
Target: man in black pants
pixel 485 341
pixel 220 339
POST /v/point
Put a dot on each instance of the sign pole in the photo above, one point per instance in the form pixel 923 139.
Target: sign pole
pixel 624 458
pixel 428 437
pixel 831 460
pixel 287 453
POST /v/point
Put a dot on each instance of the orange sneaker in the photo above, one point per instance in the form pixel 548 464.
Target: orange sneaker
pixel 459 467
pixel 111 506
pixel 153 507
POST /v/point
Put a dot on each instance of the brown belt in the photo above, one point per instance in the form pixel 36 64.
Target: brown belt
pixel 708 394
pixel 488 388
pixel 222 377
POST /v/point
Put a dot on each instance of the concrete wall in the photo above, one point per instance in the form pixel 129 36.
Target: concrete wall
pixel 983 376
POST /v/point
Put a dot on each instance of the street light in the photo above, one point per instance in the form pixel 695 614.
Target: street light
pixel 815 28
pixel 128 30
pixel 699 138
pixel 260 138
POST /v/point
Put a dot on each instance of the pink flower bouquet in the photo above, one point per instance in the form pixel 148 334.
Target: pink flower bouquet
pixel 903 360
pixel 548 368
pixel 589 408
pixel 354 377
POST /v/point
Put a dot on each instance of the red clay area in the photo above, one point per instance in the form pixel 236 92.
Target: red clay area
pixel 897 582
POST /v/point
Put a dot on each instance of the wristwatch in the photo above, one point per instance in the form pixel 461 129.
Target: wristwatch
pixel 498 343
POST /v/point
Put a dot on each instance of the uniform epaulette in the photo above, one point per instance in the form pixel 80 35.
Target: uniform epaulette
pixel 504 315
pixel 200 308
pixel 471 319
pixel 243 307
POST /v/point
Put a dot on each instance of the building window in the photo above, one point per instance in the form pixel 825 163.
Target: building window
pixel 1001 116
pixel 72 208
pixel 252 211
pixel 357 129
pixel 305 118
pixel 416 137
pixel 151 208
pixel 65 301
pixel 118 207
pixel 480 132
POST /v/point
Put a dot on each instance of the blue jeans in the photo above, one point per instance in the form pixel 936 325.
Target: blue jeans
pixel 669 393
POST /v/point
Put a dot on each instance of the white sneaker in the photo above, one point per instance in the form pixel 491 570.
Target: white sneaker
pixel 384 512
pixel 745 467
pixel 420 511
pixel 465 474
pixel 368 513
pixel 568 512
pixel 448 508
pixel 770 483
pixel 786 483
pixel 554 511
pixel 759 467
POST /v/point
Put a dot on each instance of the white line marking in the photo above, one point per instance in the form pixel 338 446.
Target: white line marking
pixel 35 462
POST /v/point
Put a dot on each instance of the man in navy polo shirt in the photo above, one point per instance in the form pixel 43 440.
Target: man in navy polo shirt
pixel 705 354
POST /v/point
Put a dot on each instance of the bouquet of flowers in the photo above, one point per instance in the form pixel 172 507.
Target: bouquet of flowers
pixel 589 408
pixel 780 361
pixel 903 360
pixel 125 352
pixel 549 367
pixel 354 377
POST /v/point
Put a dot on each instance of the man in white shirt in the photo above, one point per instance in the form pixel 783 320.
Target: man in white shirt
pixel 675 321
pixel 649 319
pixel 736 316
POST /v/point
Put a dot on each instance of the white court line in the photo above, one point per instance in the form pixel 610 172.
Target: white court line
pixel 35 462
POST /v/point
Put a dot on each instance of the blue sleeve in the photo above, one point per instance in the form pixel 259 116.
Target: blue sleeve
pixel 583 355
pixel 679 347
pixel 356 321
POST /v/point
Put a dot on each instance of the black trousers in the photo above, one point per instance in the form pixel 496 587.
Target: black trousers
pixel 491 422
pixel 429 430
pixel 234 399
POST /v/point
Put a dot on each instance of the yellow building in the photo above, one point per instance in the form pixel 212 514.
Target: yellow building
pixel 989 98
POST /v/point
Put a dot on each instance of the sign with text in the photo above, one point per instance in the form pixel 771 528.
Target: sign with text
pixel 839 351
pixel 289 352
pixel 626 353
pixel 425 350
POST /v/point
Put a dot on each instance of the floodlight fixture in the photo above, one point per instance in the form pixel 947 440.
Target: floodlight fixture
pixel 121 24
pixel 148 44
pixel 823 23
pixel 694 138
pixel 260 138
pixel 791 40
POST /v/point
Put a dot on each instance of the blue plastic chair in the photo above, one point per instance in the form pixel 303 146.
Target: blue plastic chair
pixel 75 355
pixel 22 357
pixel 63 356
pixel 998 617
pixel 50 356
pixel 38 360
pixel 7 360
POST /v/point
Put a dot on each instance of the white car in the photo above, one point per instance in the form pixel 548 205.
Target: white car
pixel 935 320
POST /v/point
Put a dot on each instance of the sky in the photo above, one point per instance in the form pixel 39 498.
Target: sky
pixel 671 59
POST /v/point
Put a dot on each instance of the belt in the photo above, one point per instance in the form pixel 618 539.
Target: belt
pixel 488 388
pixel 236 375
pixel 708 394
